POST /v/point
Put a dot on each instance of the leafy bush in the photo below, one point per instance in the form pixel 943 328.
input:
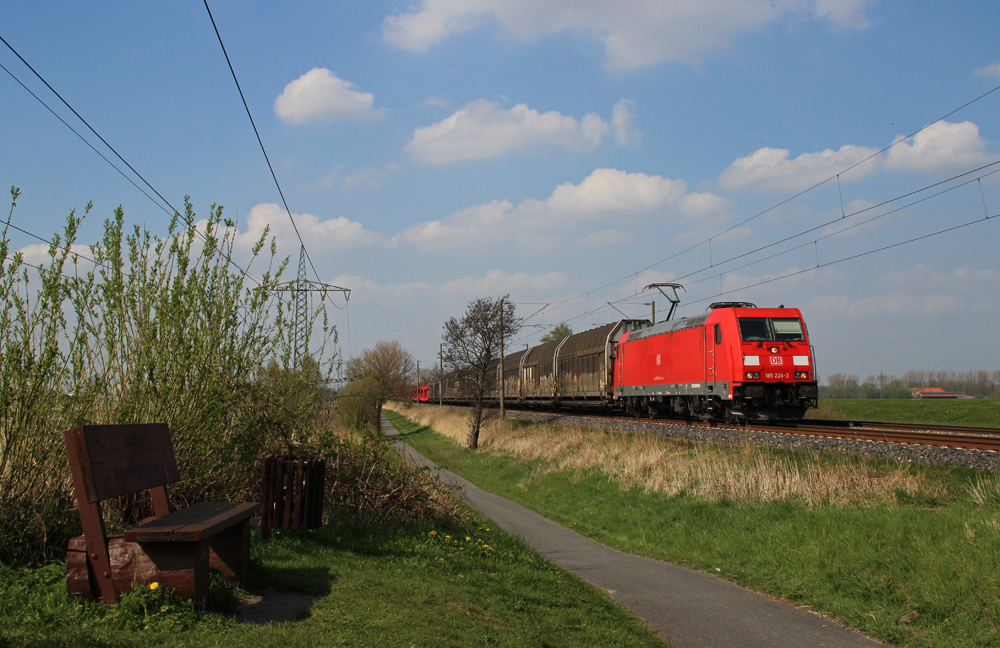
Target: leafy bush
pixel 367 479
pixel 157 330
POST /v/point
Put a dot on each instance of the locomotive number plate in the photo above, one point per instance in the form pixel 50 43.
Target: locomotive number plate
pixel 778 376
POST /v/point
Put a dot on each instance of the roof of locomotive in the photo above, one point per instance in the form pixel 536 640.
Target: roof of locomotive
pixel 700 320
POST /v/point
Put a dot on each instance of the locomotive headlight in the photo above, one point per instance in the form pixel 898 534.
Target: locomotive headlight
pixel 753 375
pixel 774 349
pixel 801 375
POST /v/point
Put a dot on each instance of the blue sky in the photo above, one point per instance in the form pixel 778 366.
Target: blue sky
pixel 569 152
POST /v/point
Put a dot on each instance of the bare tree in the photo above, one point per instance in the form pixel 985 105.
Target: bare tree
pixel 388 368
pixel 472 349
pixel 559 332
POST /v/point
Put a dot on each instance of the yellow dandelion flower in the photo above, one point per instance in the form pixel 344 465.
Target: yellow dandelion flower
pixel 154 586
pixel 448 537
pixel 468 539
pixel 434 532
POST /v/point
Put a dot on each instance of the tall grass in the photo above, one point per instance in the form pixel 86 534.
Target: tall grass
pixel 152 330
pixel 660 465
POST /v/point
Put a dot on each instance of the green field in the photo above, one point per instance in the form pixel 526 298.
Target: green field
pixel 917 572
pixel 978 412
pixel 373 586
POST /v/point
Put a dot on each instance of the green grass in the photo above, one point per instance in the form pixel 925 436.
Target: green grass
pixel 375 587
pixel 978 412
pixel 868 567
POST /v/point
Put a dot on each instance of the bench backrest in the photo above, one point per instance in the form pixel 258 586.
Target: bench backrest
pixel 115 460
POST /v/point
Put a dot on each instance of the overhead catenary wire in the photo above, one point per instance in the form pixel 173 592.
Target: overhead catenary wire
pixel 977 221
pixel 171 211
pixel 608 305
pixel 777 205
pixel 845 217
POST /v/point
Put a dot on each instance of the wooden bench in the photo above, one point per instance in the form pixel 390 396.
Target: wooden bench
pixel 175 548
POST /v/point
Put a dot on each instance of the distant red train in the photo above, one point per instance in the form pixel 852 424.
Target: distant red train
pixel 736 362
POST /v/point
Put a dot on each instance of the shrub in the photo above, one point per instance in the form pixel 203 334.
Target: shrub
pixel 157 330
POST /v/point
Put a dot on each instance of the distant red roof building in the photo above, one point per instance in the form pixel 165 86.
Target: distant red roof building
pixel 934 392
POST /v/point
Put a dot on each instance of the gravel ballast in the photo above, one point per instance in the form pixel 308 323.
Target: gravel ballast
pixel 986 460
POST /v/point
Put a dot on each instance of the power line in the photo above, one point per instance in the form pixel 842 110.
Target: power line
pixel 259 141
pixel 87 124
pixel 172 210
pixel 82 138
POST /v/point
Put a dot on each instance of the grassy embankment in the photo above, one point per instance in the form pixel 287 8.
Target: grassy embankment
pixel 374 587
pixel 978 412
pixel 904 553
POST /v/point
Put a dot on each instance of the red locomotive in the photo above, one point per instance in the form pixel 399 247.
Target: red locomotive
pixel 735 363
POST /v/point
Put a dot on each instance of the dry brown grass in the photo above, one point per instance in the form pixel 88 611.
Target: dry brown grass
pixel 670 466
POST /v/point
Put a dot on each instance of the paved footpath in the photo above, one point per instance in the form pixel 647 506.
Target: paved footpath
pixel 688 608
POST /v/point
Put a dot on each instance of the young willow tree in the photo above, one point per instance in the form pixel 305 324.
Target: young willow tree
pixel 472 347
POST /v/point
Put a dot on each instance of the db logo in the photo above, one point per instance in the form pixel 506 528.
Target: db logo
pixel 776 360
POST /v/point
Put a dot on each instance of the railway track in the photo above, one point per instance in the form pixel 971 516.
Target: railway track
pixel 945 436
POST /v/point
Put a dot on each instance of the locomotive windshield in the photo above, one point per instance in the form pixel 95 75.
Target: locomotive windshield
pixel 754 329
pixel 787 330
pixel 771 329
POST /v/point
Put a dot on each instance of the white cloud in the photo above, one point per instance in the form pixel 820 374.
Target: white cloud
pixel 623 121
pixel 781 286
pixel 605 195
pixel 607 238
pixel 634 33
pixel 494 282
pixel 37 254
pixel 437 101
pixel 497 282
pixel 483 130
pixel 942 145
pixel 918 291
pixel 333 233
pixel 845 14
pixel 319 97
pixel 991 71
pixel 902 304
pixel 365 178
pixel 770 169
pixel 961 280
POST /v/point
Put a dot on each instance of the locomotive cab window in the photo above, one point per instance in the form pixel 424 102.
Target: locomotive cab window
pixel 718 334
pixel 787 330
pixel 754 329
pixel 776 329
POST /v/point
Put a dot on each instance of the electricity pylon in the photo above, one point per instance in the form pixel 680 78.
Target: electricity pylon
pixel 300 289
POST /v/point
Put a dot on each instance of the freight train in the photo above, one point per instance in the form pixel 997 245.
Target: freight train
pixel 735 363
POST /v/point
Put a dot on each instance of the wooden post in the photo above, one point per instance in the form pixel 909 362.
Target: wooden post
pixel 441 374
pixel 503 413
